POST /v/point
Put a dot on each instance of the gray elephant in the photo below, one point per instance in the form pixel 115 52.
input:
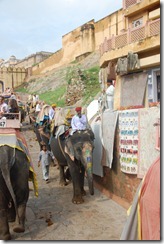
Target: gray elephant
pixel 76 152
pixel 14 190
pixel 42 134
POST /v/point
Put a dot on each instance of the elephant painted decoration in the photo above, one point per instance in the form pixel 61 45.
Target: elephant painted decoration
pixel 76 152
pixel 15 172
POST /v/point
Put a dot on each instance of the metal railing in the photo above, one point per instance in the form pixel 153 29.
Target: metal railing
pixel 10 120
pixel 151 28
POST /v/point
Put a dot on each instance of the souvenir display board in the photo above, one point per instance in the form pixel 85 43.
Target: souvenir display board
pixel 128 140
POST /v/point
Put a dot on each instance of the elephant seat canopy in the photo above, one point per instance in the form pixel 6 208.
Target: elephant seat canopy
pixel 62 115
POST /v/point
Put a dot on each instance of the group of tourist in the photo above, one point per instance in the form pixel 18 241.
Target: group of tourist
pixel 8 90
pixel 33 100
pixel 11 107
pixel 78 122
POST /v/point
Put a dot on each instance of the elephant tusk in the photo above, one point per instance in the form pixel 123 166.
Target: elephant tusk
pixel 10 204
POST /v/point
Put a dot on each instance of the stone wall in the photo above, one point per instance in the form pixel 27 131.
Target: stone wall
pixel 11 77
pixel 33 59
pixel 115 181
pixel 48 64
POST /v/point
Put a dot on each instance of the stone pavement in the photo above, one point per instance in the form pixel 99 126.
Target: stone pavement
pixel 52 215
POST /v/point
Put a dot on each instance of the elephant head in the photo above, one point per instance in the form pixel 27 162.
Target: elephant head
pixel 42 134
pixel 80 146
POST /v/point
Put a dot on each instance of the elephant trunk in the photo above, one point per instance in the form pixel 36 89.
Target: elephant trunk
pixel 87 157
pixel 90 178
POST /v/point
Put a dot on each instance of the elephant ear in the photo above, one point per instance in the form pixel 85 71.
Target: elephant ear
pixel 68 149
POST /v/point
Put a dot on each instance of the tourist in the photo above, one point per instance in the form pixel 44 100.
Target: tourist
pixel 13 96
pixel 45 157
pixel 13 108
pixel 38 108
pixel 52 112
pixel 3 106
pixel 34 101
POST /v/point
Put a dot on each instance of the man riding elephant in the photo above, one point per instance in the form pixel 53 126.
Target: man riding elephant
pixel 75 151
pixel 79 121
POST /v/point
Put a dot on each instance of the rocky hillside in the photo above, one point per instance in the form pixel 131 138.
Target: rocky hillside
pixel 67 84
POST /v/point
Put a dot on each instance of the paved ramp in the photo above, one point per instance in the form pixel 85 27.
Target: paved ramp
pixel 52 216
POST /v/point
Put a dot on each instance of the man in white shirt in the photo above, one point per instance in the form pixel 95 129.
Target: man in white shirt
pixel 38 107
pixel 52 112
pixel 34 101
pixel 110 94
pixel 79 121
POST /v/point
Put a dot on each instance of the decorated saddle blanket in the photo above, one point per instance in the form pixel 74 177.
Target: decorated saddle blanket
pixel 14 138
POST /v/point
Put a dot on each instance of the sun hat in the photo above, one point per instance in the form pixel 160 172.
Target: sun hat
pixel 53 105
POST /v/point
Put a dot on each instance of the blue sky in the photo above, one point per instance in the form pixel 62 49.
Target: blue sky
pixel 30 26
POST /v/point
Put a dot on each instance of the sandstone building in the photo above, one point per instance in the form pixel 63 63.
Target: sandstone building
pixel 130 55
pixel 140 35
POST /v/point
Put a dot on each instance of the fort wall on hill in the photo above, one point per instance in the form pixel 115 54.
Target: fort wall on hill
pixel 82 41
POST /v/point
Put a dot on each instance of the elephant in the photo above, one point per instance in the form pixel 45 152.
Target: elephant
pixel 44 136
pixel 76 152
pixel 14 190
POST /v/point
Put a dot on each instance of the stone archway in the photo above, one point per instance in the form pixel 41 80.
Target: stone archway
pixel 1 86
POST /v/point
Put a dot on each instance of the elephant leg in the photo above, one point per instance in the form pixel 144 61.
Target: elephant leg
pixel 4 226
pixel 77 197
pixel 22 214
pixel 75 175
pixel 62 176
pixel 4 200
pixel 82 173
pixel 19 179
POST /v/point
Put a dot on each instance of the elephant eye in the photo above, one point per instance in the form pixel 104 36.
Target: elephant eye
pixel 79 150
